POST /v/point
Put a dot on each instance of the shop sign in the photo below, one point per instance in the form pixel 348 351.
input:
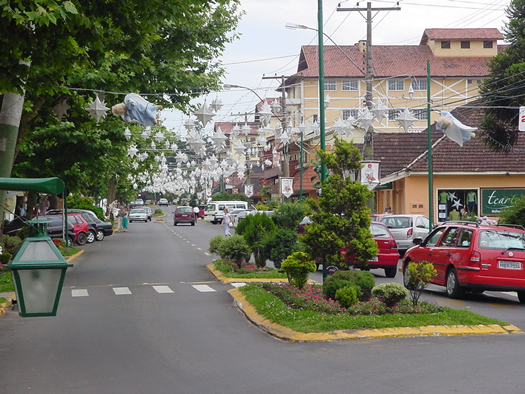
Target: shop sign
pixel 493 201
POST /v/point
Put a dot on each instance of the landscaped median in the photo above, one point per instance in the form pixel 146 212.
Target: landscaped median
pixel 288 322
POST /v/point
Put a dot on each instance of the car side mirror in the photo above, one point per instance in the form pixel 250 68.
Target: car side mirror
pixel 417 241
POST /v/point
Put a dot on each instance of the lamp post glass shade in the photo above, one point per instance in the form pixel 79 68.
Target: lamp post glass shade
pixel 39 270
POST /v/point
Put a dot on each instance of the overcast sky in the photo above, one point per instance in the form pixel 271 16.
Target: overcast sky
pixel 267 48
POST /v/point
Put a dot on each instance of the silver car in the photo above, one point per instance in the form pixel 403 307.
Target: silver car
pixel 138 214
pixel 405 228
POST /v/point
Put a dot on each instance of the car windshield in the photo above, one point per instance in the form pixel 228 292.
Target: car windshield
pixel 379 231
pixel 185 210
pixel 498 239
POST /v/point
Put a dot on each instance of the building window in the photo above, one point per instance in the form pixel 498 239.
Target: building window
pixel 349 85
pixel 393 114
pixel 350 113
pixel 396 84
pixel 445 44
pixel 420 114
pixel 330 85
pixel 488 44
pixel 314 118
pixel 465 44
pixel 419 84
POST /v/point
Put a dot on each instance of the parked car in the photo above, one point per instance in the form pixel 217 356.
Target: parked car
pixel 237 215
pixel 163 201
pixel 149 211
pixel 472 257
pixel 54 227
pixel 202 208
pixel 102 228
pixel 138 215
pixel 139 202
pixel 183 214
pixel 81 228
pixel 405 228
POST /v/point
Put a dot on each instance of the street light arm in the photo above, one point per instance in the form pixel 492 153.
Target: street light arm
pixel 303 27
pixel 228 86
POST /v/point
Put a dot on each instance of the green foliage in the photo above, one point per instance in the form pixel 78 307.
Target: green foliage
pixel 343 217
pixel 255 229
pixel 214 244
pixel 514 214
pixel 420 276
pixel 347 296
pixel 288 215
pixel 390 293
pixel 503 90
pixel 246 270
pixel 5 257
pixel 297 266
pixel 6 282
pixel 225 196
pixel 280 244
pixel 234 248
pixel 363 280
pixel 11 243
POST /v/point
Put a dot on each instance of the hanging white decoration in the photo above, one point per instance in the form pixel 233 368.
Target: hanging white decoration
pixel 379 110
pixel 127 133
pixel 406 119
pixel 97 109
pixel 203 114
pixel 265 114
pixel 365 119
pixel 216 105
pixel 132 151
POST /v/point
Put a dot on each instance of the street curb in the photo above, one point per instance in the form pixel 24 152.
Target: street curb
pixel 224 279
pixel 287 334
pixel 10 299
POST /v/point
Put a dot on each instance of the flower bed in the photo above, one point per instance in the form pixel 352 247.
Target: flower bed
pixel 247 270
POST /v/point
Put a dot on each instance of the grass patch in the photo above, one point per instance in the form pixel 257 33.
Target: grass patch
pixel 68 251
pixel 3 300
pixel 304 320
pixel 247 271
pixel 6 282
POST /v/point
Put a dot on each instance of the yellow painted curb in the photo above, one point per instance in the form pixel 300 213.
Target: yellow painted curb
pixel 70 259
pixel 288 334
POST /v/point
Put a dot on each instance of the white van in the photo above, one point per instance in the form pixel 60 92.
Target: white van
pixel 214 210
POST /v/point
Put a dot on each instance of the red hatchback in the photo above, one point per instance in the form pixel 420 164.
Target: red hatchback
pixel 80 227
pixel 388 256
pixel 473 257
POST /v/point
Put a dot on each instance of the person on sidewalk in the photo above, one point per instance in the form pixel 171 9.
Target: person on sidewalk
pixel 226 220
pixel 125 220
pixel 196 211
pixel 120 215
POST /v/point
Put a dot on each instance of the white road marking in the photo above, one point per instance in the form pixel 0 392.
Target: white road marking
pixel 121 290
pixel 240 284
pixel 203 288
pixel 79 293
pixel 162 289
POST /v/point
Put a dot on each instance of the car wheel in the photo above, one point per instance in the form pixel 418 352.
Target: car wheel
pixel 100 235
pixel 390 272
pixel 406 278
pixel 175 223
pixel 521 296
pixel 91 236
pixel 453 288
pixel 131 221
pixel 193 223
pixel 81 239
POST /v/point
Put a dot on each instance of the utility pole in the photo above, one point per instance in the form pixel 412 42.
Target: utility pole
pixel 368 150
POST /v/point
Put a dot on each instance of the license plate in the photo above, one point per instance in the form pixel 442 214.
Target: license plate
pixel 509 265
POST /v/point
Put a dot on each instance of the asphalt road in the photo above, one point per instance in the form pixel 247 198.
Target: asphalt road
pixel 140 313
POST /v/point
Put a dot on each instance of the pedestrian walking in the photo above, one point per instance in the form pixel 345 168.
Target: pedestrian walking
pixel 125 221
pixel 226 220
pixel 120 215
pixel 196 211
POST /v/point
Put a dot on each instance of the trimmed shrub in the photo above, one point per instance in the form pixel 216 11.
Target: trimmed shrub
pixel 297 267
pixel 5 257
pixel 363 280
pixel 255 229
pixel 390 293
pixel 12 243
pixel 347 296
pixel 419 277
pixel 234 248
pixel 281 244
pixel 214 244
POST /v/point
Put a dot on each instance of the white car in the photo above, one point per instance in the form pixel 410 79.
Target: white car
pixel 138 214
pixel 163 201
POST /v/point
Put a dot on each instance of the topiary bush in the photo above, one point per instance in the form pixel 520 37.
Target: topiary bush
pixel 214 244
pixel 12 243
pixel 235 248
pixel 363 280
pixel 297 267
pixel 5 257
pixel 390 293
pixel 347 296
pixel 281 244
pixel 255 229
pixel 418 276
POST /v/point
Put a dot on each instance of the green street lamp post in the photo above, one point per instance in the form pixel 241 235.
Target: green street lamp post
pixel 38 271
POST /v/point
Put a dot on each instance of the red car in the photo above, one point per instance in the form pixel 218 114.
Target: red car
pixel 184 214
pixel 472 257
pixel 388 256
pixel 80 227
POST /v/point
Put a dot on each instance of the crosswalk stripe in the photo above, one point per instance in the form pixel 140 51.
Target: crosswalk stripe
pixel 162 289
pixel 79 293
pixel 238 284
pixel 121 290
pixel 203 288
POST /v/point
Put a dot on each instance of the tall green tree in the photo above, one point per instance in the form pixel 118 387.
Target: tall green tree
pixel 343 219
pixel 504 90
